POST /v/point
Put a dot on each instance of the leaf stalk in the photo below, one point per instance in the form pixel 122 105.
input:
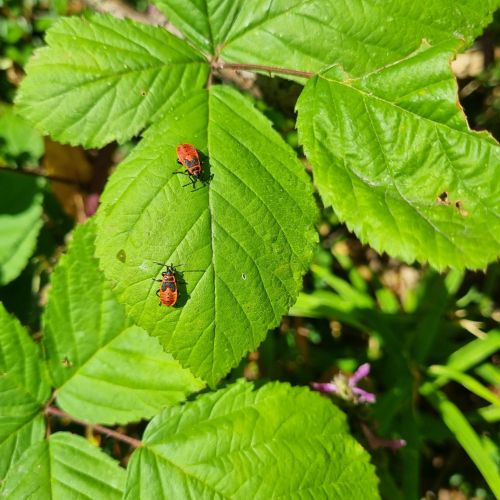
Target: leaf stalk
pixel 262 67
pixel 135 443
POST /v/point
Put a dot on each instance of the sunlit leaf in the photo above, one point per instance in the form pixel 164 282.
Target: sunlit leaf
pixel 102 79
pixel 307 35
pixel 20 221
pixel 23 390
pixel 64 466
pixel 392 154
pixel 465 435
pixel 275 442
pixel 105 370
pixel 247 234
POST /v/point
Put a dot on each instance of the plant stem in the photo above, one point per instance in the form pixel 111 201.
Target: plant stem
pixel 37 173
pixel 135 443
pixel 261 67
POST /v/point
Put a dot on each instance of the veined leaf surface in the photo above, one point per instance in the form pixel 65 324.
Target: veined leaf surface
pixel 392 153
pixel 102 79
pixel 308 35
pixel 105 370
pixel 64 466
pixel 275 442
pixel 23 390
pixel 247 234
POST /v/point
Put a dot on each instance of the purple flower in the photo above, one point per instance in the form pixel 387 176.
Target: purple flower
pixel 393 444
pixel 326 387
pixel 346 387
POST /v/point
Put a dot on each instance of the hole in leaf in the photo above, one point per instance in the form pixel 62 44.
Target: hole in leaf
pixel 461 210
pixel 443 198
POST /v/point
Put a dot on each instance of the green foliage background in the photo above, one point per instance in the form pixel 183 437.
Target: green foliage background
pixel 390 151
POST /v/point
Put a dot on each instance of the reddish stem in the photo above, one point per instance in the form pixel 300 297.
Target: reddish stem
pixel 135 443
pixel 261 67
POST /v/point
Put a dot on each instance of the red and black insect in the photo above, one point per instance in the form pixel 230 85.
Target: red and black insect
pixel 168 291
pixel 189 158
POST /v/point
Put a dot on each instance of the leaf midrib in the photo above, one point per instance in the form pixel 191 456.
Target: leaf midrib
pixel 212 242
pixel 388 167
pixel 468 134
pixel 30 420
pixel 249 446
pixel 101 22
pixel 265 21
pixel 210 34
pixel 18 383
pixel 69 465
pixel 114 76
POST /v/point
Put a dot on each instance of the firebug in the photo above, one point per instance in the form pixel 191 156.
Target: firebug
pixel 188 157
pixel 168 291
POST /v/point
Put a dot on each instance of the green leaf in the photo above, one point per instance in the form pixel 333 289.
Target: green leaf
pixel 82 314
pixel 248 234
pixel 102 79
pixel 205 23
pixel 476 351
pixel 23 390
pixel 392 154
pixel 275 442
pixel 465 435
pixel 20 221
pixel 344 289
pixel 466 381
pixel 471 354
pixel 489 372
pixel 64 466
pixel 308 35
pixel 19 142
pixel 490 413
pixel 128 379
pixel 105 370
pixel 326 304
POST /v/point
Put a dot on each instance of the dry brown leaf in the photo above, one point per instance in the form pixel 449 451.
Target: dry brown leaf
pixel 70 163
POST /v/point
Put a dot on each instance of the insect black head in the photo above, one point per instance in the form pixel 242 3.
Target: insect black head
pixel 170 270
